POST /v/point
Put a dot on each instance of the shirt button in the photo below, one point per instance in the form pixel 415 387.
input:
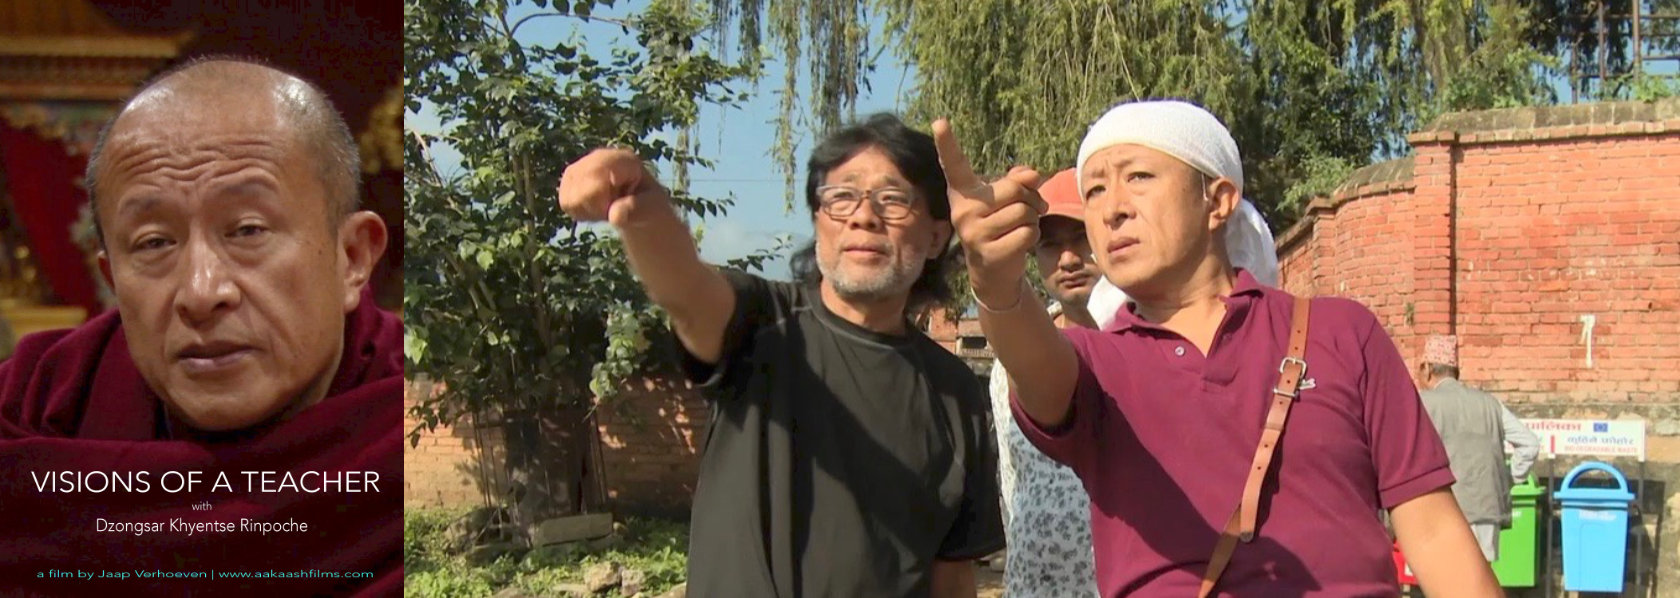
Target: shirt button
pixel 1179 351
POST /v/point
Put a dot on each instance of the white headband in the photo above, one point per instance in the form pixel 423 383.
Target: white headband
pixel 1179 129
pixel 1187 132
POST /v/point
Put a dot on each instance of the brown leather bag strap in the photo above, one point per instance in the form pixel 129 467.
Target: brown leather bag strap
pixel 1243 521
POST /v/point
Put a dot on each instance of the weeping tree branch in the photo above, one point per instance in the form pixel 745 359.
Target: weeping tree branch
pixel 629 25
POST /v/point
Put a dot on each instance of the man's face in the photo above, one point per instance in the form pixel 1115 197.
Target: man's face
pixel 1064 258
pixel 230 283
pixel 866 256
pixel 1146 214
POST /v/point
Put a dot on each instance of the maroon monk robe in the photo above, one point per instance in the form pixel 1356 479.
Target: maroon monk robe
pixel 74 401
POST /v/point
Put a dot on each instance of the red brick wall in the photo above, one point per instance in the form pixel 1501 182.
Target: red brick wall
pixel 1507 238
pixel 943 331
pixel 1507 228
pixel 439 471
pixel 651 436
pixel 1580 227
pixel 1373 264
pixel 1298 268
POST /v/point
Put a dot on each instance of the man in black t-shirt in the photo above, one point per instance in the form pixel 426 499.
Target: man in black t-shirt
pixel 848 455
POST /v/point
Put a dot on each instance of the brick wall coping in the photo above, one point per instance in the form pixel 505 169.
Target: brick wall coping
pixel 1507 125
pixel 1377 179
pixel 1531 123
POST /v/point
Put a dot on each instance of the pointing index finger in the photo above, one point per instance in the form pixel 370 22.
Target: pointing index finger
pixel 959 174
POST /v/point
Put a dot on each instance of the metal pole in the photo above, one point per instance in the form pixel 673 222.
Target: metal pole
pixel 1546 528
pixel 1638 71
pixel 1639 503
pixel 1603 53
pixel 1574 68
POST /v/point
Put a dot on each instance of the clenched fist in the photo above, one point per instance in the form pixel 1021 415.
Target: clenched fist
pixel 997 223
pixel 608 184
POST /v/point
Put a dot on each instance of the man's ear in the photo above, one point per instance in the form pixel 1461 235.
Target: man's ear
pixel 361 239
pixel 105 270
pixel 942 232
pixel 1223 197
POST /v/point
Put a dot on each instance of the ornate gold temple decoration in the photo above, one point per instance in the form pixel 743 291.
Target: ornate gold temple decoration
pixel 38 68
pixel 19 275
pixel 64 68
pixel 21 288
pixel 381 143
pixel 20 281
pixel 61 50
pixel 75 124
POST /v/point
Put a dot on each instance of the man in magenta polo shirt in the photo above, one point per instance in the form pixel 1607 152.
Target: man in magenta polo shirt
pixel 1160 412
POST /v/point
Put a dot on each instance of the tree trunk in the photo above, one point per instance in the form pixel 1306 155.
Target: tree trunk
pixel 550 465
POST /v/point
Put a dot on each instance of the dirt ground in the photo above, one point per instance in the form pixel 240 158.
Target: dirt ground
pixel 991 583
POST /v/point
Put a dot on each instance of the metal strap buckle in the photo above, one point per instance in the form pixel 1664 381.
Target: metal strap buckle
pixel 1284 365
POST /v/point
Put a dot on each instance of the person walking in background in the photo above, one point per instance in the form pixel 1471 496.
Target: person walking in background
pixel 1475 427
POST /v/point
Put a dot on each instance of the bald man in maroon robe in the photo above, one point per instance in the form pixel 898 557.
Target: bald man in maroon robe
pixel 234 426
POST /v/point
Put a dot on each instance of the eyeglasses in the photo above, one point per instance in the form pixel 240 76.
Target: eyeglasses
pixel 840 201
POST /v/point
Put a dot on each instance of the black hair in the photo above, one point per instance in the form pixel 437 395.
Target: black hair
pixel 1443 371
pixel 916 157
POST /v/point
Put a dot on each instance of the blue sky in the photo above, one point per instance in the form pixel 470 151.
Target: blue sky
pixel 737 139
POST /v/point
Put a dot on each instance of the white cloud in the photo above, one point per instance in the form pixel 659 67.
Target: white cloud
pixel 726 239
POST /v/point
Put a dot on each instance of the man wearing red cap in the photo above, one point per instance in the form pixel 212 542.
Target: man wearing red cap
pixel 1475 427
pixel 1046 514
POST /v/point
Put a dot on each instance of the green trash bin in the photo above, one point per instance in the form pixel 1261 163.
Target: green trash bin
pixel 1519 544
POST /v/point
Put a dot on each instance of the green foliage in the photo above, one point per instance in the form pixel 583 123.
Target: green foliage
pixel 508 301
pixel 1501 72
pixel 1307 87
pixel 654 546
pixel 1650 88
pixel 429 570
pixel 1030 101
pixel 1321 176
pixel 425 543
pixel 1569 31
pixel 827 40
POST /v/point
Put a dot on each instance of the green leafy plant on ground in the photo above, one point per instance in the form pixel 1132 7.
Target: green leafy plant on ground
pixel 656 547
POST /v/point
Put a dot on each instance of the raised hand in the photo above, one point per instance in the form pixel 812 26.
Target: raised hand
pixel 608 184
pixel 997 223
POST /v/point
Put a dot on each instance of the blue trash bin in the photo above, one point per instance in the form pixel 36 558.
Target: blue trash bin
pixel 1595 530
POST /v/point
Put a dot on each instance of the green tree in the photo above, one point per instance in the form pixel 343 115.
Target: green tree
pixel 1569 32
pixel 1310 89
pixel 525 315
pixel 1271 70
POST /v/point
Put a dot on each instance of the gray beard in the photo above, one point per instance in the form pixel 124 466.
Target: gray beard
pixel 896 279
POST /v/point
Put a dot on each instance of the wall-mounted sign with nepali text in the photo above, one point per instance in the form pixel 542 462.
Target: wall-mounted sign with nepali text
pixel 1588 437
